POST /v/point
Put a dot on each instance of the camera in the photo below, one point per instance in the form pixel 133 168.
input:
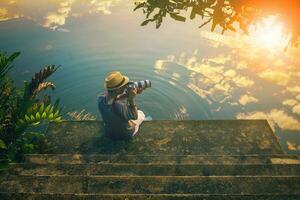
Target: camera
pixel 138 84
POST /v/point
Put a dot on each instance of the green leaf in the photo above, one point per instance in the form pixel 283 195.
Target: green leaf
pixel 205 23
pixel 193 13
pixel 230 27
pixel 145 22
pixel 139 5
pixel 56 114
pixel 47 108
pixel 2 144
pixel 42 107
pixel 158 24
pixel 50 117
pixel 34 108
pixel 32 117
pixel 223 31
pixel 177 17
pixel 27 118
pixel 58 119
pixel 21 121
pixel 29 110
pixel 56 104
pixel 36 123
pixel 51 109
pixel 213 26
pixel 38 116
pixel 44 115
pixel 149 11
pixel 5 63
pixel 13 56
pixel 26 95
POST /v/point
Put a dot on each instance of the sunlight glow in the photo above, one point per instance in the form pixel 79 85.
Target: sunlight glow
pixel 269 33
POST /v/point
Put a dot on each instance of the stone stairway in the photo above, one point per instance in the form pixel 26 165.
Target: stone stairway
pixel 210 159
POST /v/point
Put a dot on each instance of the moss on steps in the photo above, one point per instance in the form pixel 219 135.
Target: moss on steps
pixel 206 137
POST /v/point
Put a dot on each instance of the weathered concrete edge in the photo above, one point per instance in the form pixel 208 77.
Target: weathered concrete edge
pixel 99 121
pixel 276 138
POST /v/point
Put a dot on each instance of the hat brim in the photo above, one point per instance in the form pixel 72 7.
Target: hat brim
pixel 126 80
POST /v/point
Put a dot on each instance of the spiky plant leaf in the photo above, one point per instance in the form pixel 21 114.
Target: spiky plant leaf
pixel 43 86
pixel 51 109
pixel 36 123
pixel 47 109
pixel 5 62
pixel 42 107
pixel 32 118
pixel 18 112
pixel 50 117
pixel 58 119
pixel 44 115
pixel 38 116
pixel 40 77
pixel 56 114
pixel 56 104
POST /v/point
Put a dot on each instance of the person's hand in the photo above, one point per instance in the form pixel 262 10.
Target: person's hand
pixel 140 90
pixel 132 94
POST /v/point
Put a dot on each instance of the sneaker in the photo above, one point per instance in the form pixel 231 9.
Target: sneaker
pixel 148 118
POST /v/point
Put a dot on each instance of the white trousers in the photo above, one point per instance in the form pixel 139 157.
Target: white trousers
pixel 138 121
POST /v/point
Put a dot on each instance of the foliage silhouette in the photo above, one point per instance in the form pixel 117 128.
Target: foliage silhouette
pixel 224 13
pixel 21 109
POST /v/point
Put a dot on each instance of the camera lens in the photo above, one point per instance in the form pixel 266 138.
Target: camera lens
pixel 142 84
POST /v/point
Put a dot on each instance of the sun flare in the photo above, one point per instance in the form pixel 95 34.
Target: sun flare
pixel 269 33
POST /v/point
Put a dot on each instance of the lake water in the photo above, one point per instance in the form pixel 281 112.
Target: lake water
pixel 195 74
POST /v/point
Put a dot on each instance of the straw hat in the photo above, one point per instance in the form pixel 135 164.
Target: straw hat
pixel 115 80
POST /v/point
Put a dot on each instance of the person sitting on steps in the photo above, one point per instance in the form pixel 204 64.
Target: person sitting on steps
pixel 118 107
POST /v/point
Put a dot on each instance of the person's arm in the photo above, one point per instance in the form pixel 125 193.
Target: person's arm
pixel 132 106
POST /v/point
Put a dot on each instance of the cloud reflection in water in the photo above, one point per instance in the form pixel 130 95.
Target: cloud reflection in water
pixel 53 14
pixel 259 83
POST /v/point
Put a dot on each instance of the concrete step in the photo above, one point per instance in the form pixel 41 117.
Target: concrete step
pixel 38 196
pixel 209 159
pixel 161 159
pixel 211 137
pixel 155 169
pixel 287 185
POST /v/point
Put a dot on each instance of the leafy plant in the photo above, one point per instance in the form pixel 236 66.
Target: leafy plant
pixel 223 13
pixel 21 109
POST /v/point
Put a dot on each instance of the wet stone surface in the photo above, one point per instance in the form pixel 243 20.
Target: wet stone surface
pixel 203 160
pixel 161 159
pixel 9 196
pixel 207 137
pixel 113 169
pixel 151 184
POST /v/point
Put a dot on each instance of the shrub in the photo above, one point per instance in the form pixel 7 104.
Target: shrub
pixel 21 109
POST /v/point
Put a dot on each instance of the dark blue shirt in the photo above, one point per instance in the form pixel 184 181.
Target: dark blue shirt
pixel 116 119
